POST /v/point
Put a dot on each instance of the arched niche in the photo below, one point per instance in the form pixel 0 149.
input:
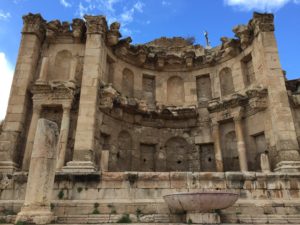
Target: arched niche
pixel 127 83
pixel 120 157
pixel 175 91
pixel 230 153
pixel 177 150
pixel 226 81
pixel 62 66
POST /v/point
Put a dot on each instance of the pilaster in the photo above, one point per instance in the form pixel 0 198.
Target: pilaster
pixel 19 103
pixel 93 71
pixel 283 138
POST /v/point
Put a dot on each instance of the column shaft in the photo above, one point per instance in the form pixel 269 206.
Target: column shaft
pixel 241 145
pixel 44 70
pixel 63 138
pixel 217 147
pixel 30 136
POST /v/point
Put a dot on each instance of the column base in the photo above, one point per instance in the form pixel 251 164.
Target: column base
pixel 203 218
pixel 288 166
pixel 79 167
pixel 8 167
pixel 36 215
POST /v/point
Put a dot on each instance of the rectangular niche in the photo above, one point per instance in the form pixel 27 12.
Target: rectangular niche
pixel 203 84
pixel 104 141
pixel 229 146
pixel 248 70
pixel 147 157
pixel 261 147
pixel 149 89
pixel 207 158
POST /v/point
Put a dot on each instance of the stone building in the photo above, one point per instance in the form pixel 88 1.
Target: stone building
pixel 137 122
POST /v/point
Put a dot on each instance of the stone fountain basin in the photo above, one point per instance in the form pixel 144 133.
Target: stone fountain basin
pixel 200 202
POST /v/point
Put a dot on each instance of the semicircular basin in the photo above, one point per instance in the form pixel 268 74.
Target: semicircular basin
pixel 200 202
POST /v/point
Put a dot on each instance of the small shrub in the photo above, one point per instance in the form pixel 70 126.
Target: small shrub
pixel 61 194
pixel 138 213
pixel 132 178
pixel 96 205
pixel 190 221
pixel 112 209
pixel 95 211
pixel 2 221
pixel 124 219
pixel 8 212
pixel 79 189
pixel 21 223
pixel 52 206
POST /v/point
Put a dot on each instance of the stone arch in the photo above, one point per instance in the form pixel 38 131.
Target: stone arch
pixel 177 150
pixel 175 90
pixel 62 66
pixel 127 83
pixel 120 158
pixel 226 81
pixel 230 155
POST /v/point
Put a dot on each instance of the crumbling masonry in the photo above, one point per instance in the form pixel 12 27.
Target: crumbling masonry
pixel 137 122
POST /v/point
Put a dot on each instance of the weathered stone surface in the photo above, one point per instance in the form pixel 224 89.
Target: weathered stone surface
pixel 41 174
pixel 138 122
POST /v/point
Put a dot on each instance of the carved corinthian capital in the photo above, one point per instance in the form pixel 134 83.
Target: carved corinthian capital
pixel 78 28
pixel 262 22
pixel 96 24
pixel 34 24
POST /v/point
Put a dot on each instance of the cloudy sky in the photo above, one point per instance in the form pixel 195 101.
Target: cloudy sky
pixel 145 20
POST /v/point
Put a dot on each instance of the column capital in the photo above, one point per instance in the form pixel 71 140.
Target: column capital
pixel 96 24
pixel 67 107
pixel 262 22
pixel 37 107
pixel 34 24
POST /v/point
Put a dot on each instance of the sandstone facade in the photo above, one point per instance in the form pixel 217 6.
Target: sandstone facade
pixel 137 122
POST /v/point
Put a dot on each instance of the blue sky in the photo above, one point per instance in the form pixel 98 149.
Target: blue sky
pixel 145 20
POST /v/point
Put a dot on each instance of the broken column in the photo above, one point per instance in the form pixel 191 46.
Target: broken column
pixel 36 208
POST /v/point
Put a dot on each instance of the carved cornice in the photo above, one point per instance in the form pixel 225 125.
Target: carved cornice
pixel 262 22
pixel 111 99
pixel 96 24
pixel 34 24
pixel 54 92
pixel 254 99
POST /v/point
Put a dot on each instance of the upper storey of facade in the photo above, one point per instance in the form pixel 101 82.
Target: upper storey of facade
pixel 166 71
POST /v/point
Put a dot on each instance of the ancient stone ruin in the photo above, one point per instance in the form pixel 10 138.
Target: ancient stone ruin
pixel 99 130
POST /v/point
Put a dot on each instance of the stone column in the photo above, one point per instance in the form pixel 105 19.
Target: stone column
pixel 241 147
pixel 93 71
pixel 36 208
pixel 63 136
pixel 284 147
pixel 30 137
pixel 17 111
pixel 73 67
pixel 44 70
pixel 217 146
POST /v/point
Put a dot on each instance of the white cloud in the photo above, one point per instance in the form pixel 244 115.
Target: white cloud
pixel 113 10
pixel 6 76
pixel 65 3
pixel 165 3
pixel 139 6
pixel 4 15
pixel 261 5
